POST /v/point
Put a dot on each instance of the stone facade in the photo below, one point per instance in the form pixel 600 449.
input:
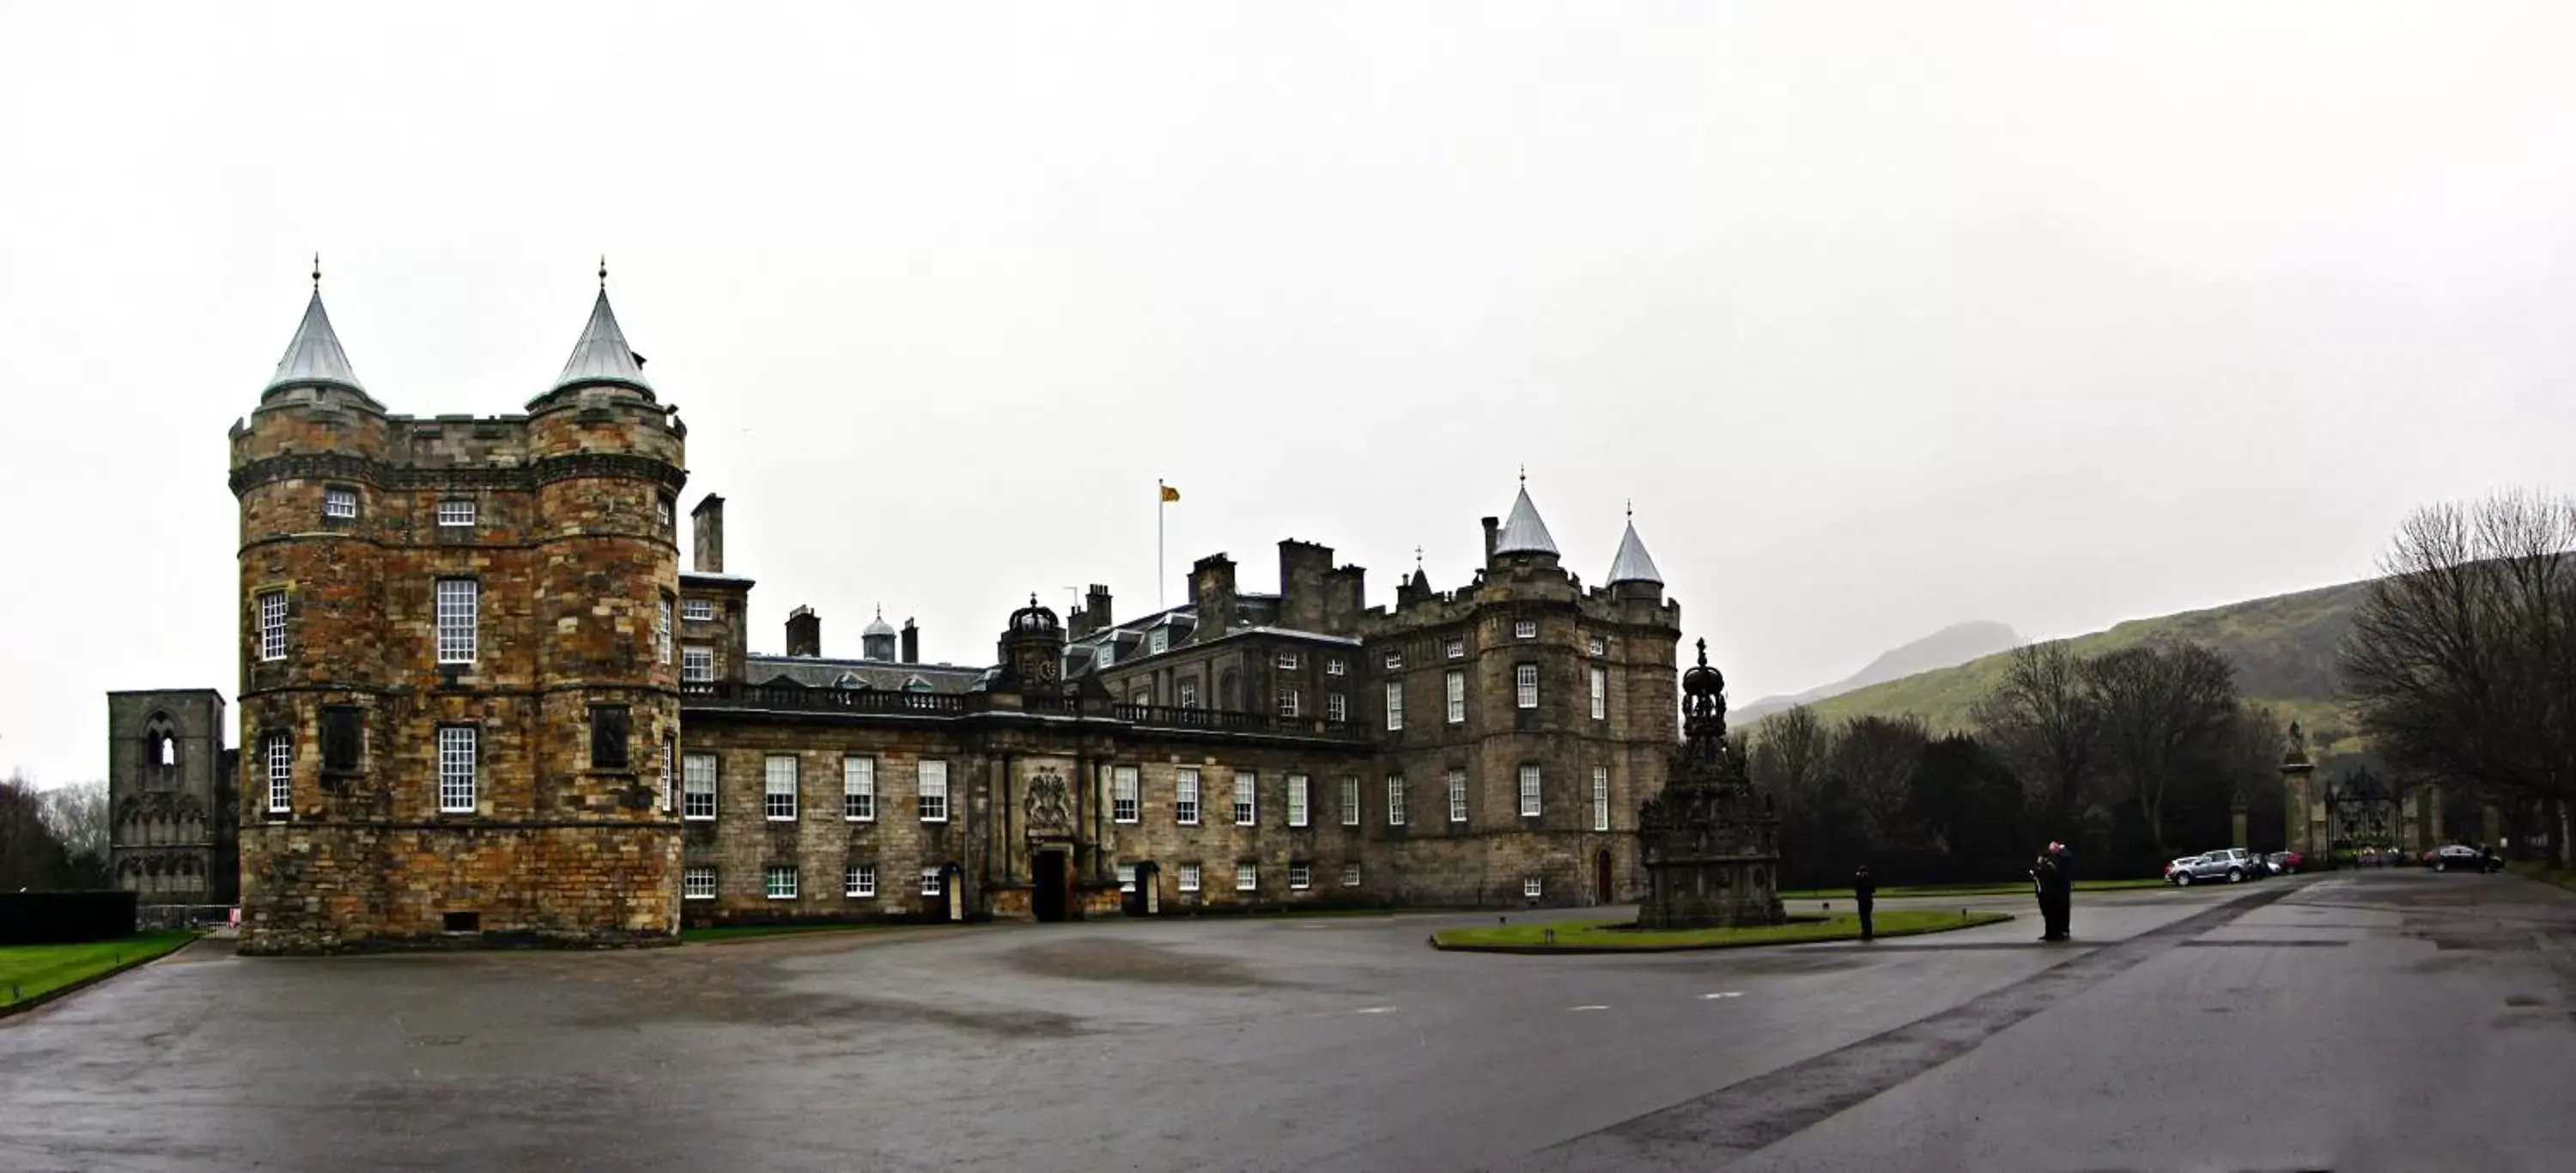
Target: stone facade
pixel 172 835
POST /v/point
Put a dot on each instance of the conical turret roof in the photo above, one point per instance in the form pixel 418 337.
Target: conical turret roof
pixel 1633 564
pixel 1523 532
pixel 602 355
pixel 879 626
pixel 314 357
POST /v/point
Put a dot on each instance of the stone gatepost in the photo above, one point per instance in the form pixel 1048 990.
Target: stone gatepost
pixel 2302 810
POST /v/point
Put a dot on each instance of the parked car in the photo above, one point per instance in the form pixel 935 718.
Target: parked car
pixel 2177 865
pixel 2232 864
pixel 2285 863
pixel 2456 858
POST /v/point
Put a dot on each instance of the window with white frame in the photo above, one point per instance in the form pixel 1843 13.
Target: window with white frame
pixel 456 511
pixel 779 881
pixel 272 625
pixel 1351 875
pixel 1394 660
pixel 1599 646
pixel 339 502
pixel 934 791
pixel 1529 790
pixel 1600 694
pixel 858 788
pixel 1351 801
pixel 697 664
pixel 1287 659
pixel 1336 707
pixel 1144 696
pixel 778 789
pixel 1455 649
pixel 1525 684
pixel 1530 887
pixel 458 604
pixel 1158 641
pixel 1395 800
pixel 1394 705
pixel 1125 805
pixel 1287 702
pixel 1457 796
pixel 1126 877
pixel 1333 666
pixel 662 630
pixel 1189 877
pixel 698 610
pixel 1300 876
pixel 1185 796
pixel 456 769
pixel 698 882
pixel 698 786
pixel 1247 878
pixel 1525 629
pixel 930 885
pixel 1297 812
pixel 1108 652
pixel 664 513
pixel 1600 798
pixel 1189 693
pixel 279 752
pixel 1453 686
pixel 670 773
pixel 1247 790
pixel 859 881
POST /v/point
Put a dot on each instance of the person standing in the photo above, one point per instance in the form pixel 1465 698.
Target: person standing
pixel 1865 895
pixel 2043 882
pixel 2065 857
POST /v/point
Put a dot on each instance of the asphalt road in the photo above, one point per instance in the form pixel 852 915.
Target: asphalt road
pixel 2392 1020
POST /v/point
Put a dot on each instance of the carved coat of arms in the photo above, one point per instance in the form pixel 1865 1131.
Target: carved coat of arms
pixel 1049 806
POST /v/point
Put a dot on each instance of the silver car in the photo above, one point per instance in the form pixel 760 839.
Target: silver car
pixel 2232 864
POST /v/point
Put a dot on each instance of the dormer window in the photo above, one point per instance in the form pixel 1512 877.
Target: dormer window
pixel 339 502
pixel 1158 641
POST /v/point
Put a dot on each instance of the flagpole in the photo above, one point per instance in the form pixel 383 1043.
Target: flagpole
pixel 1159 503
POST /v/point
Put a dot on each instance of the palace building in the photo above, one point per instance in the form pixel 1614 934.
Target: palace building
pixel 481 701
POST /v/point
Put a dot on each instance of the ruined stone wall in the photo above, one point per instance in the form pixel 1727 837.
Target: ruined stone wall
pixel 171 831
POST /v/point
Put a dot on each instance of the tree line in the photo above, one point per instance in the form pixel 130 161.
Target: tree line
pixel 2132 756
pixel 52 838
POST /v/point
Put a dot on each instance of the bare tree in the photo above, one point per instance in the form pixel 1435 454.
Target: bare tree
pixel 1874 759
pixel 78 815
pixel 2042 722
pixel 1790 748
pixel 30 856
pixel 2162 707
pixel 2461 664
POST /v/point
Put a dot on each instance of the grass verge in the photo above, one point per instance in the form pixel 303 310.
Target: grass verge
pixel 32 973
pixel 1602 936
pixel 2532 869
pixel 2020 889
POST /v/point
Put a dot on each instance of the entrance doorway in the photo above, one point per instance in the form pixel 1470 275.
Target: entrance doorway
pixel 1602 892
pixel 1046 885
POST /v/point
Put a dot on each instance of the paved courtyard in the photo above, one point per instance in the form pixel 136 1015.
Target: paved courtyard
pixel 2375 1021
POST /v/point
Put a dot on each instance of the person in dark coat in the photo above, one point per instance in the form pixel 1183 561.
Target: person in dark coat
pixel 1864 894
pixel 2065 858
pixel 2043 882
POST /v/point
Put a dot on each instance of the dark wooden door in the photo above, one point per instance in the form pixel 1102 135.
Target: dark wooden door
pixel 1047 895
pixel 1602 893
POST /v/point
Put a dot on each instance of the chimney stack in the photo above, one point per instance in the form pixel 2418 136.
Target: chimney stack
pixel 1212 593
pixel 1493 533
pixel 804 633
pixel 911 643
pixel 706 529
pixel 1093 615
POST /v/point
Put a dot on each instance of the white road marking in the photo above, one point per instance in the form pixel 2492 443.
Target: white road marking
pixel 1587 1008
pixel 1725 994
pixel 1375 1010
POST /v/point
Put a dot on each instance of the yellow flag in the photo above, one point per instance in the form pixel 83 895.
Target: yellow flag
pixel 1171 494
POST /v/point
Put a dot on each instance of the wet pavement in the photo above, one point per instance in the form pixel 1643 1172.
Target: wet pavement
pixel 2386 1020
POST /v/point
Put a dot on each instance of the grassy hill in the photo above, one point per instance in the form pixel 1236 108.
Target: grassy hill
pixel 2283 648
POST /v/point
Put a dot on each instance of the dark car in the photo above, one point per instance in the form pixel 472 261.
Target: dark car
pixel 2456 858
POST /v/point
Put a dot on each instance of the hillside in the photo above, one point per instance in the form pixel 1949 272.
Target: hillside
pixel 2283 649
pixel 1952 645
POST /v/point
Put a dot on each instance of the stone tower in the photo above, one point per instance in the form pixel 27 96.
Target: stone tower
pixel 458 695
pixel 170 797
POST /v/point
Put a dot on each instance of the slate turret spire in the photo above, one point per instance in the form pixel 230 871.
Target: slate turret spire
pixel 1523 532
pixel 313 357
pixel 602 357
pixel 1633 564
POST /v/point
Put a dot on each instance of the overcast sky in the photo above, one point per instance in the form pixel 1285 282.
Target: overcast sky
pixel 1887 316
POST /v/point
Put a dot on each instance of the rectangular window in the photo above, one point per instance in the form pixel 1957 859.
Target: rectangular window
pixel 1300 877
pixel 1158 641
pixel 670 773
pixel 1457 796
pixel 456 769
pixel 272 625
pixel 1351 875
pixel 1336 707
pixel 1394 661
pixel 610 728
pixel 698 610
pixel 1395 800
pixel 1394 705
pixel 1599 648
pixel 1530 887
pixel 1189 694
pixel 858 789
pixel 339 502
pixel 698 786
pixel 1600 798
pixel 1529 790
pixel 1126 877
pixel 698 882
pixel 697 665
pixel 341 736
pixel 1124 803
pixel 1455 649
pixel 1525 684
pixel 1454 684
pixel 1189 877
pixel 1297 812
pixel 1247 878
pixel 934 791
pixel 1334 667
pixel 280 755
pixel 1185 796
pixel 1600 694
pixel 859 881
pixel 662 631
pixel 454 512
pixel 1247 789
pixel 779 882
pixel 1287 702
pixel 1351 802
pixel 1525 629
pixel 1287 659
pixel 778 787
pixel 930 885
pixel 457 607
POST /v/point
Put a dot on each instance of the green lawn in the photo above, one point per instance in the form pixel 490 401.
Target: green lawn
pixel 2535 870
pixel 29 972
pixel 1967 890
pixel 1598 935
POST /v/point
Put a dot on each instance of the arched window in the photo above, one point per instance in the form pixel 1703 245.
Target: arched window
pixel 160 744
